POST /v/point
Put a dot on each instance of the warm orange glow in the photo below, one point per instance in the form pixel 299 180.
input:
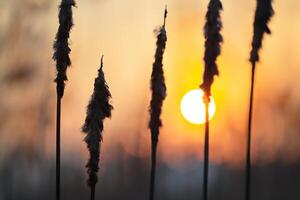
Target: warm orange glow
pixel 128 43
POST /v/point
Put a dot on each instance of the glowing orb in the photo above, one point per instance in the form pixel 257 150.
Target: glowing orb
pixel 193 107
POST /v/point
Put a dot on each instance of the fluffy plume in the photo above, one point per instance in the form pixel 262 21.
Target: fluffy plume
pixel 61 45
pixel 158 85
pixel 158 88
pixel 213 42
pixel 98 109
pixel 263 14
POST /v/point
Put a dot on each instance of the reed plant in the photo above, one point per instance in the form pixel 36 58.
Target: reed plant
pixel 213 40
pixel 263 14
pixel 98 109
pixel 158 88
pixel 63 61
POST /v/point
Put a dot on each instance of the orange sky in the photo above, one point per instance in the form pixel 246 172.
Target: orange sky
pixel 123 31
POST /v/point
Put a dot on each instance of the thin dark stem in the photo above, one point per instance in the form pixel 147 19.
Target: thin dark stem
pixel 248 158
pixel 153 168
pixel 93 192
pixel 58 115
pixel 206 152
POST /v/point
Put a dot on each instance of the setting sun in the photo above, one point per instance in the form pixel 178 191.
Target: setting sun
pixel 193 108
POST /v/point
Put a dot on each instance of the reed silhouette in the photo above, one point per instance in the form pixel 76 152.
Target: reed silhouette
pixel 213 40
pixel 63 61
pixel 158 88
pixel 263 14
pixel 98 109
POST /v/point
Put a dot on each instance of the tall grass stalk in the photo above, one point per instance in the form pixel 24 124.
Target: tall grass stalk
pixel 98 109
pixel 61 56
pixel 158 88
pixel 263 14
pixel 213 40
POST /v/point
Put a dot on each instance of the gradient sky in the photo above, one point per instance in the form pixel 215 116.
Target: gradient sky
pixel 124 32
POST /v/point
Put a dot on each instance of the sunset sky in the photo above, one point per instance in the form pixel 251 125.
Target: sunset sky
pixel 124 32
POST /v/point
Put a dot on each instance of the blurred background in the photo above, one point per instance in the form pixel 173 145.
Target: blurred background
pixel 123 32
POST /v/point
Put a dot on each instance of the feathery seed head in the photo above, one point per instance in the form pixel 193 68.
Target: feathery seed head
pixel 98 109
pixel 158 86
pixel 264 12
pixel 61 45
pixel 213 40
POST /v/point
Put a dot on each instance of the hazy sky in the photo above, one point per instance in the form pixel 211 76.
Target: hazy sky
pixel 123 32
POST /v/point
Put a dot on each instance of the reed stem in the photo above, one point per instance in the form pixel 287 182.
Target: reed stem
pixel 93 192
pixel 248 156
pixel 153 169
pixel 206 152
pixel 58 118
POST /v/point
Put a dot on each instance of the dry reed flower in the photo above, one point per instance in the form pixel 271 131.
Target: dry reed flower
pixel 98 109
pixel 61 44
pixel 213 40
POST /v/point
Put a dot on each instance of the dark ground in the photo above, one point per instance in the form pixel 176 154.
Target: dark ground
pixel 24 177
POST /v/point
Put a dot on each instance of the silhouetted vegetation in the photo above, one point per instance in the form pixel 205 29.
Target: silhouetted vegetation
pixel 159 92
pixel 98 109
pixel 213 39
pixel 263 14
pixel 61 56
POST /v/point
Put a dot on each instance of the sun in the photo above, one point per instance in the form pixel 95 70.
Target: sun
pixel 193 107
